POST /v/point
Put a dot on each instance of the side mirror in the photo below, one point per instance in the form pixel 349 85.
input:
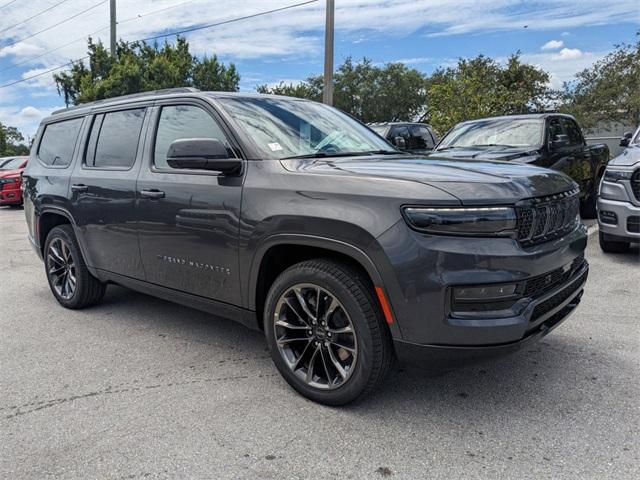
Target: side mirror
pixel 201 154
pixel 560 141
pixel 626 139
pixel 400 142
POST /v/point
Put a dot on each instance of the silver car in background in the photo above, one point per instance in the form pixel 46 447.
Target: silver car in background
pixel 619 199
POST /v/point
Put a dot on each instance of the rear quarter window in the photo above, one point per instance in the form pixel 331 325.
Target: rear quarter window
pixel 58 142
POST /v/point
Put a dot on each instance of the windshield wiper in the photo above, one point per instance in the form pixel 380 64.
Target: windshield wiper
pixel 331 154
pixel 493 145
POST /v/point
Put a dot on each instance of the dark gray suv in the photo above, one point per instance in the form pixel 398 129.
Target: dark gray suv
pixel 291 217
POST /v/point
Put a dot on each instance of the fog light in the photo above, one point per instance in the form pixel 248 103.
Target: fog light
pixel 486 292
pixel 610 218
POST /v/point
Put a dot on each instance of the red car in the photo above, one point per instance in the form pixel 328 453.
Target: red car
pixel 11 169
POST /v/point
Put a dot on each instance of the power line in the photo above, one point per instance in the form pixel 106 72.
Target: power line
pixel 121 22
pixel 192 29
pixel 202 27
pixel 54 25
pixel 45 72
pixel 33 16
pixel 8 3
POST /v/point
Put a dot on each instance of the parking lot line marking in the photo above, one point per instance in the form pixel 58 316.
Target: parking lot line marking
pixel 592 229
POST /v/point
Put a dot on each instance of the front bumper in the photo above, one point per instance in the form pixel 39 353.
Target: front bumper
pixel 10 197
pixel 625 214
pixel 564 299
pixel 422 270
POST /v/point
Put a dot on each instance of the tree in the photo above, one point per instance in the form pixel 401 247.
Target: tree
pixel 140 67
pixel 11 142
pixel 369 92
pixel 482 87
pixel 609 90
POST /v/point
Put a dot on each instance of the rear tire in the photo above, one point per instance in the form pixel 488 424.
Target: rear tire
pixel 321 316
pixel 612 246
pixel 69 279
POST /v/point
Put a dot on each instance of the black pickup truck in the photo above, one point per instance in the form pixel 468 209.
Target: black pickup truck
pixel 548 140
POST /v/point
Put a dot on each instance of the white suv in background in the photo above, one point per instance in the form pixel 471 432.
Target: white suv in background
pixel 619 200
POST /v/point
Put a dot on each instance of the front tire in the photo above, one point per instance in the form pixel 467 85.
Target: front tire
pixel 69 279
pixel 612 246
pixel 326 333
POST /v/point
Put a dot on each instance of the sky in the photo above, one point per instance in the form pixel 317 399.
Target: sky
pixel 560 36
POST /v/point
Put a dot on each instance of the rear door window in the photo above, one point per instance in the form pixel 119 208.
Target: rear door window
pixel 58 142
pixel 113 142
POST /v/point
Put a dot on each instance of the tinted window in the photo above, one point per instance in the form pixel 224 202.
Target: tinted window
pixel 185 121
pixel 572 129
pixel 555 129
pixel 283 128
pixel 114 139
pixel 58 141
pixel 400 131
pixel 421 138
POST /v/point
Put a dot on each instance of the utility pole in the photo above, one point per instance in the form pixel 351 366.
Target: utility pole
pixel 112 9
pixel 327 94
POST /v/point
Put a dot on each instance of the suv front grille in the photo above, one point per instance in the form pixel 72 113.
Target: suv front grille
pixel 546 218
pixel 557 299
pixel 635 184
pixel 537 286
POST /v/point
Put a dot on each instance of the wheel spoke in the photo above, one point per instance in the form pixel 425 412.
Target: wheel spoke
pixel 55 254
pixel 294 367
pixel 309 377
pixel 303 303
pixel 290 326
pixel 288 303
pixel 338 331
pixel 331 308
pixel 55 271
pixel 339 345
pixel 324 364
pixel 336 363
pixel 287 341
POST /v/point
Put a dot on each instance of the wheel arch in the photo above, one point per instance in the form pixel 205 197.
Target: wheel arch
pixel 270 260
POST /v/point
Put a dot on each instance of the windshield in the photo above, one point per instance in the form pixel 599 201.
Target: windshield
pixel 284 128
pixel 500 132
pixel 636 140
pixel 12 164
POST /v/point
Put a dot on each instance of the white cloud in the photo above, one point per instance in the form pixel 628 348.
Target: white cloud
pixel 552 45
pixel 25 119
pixel 21 49
pixel 569 54
pixel 562 69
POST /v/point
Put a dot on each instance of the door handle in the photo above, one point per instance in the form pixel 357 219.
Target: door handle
pixel 152 194
pixel 79 187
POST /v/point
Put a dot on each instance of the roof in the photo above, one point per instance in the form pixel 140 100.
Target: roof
pixel 522 116
pixel 391 124
pixel 167 92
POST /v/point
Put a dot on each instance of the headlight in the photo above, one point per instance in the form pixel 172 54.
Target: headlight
pixel 480 221
pixel 9 180
pixel 617 175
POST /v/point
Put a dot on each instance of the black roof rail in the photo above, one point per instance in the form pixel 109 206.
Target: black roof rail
pixel 150 93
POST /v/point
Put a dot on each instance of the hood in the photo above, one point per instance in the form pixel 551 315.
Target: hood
pixel 489 153
pixel 473 182
pixel 11 173
pixel 628 158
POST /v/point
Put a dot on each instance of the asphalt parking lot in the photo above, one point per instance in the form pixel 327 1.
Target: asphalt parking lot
pixel 141 388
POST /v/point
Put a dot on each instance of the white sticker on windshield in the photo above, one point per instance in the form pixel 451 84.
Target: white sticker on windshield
pixel 275 147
